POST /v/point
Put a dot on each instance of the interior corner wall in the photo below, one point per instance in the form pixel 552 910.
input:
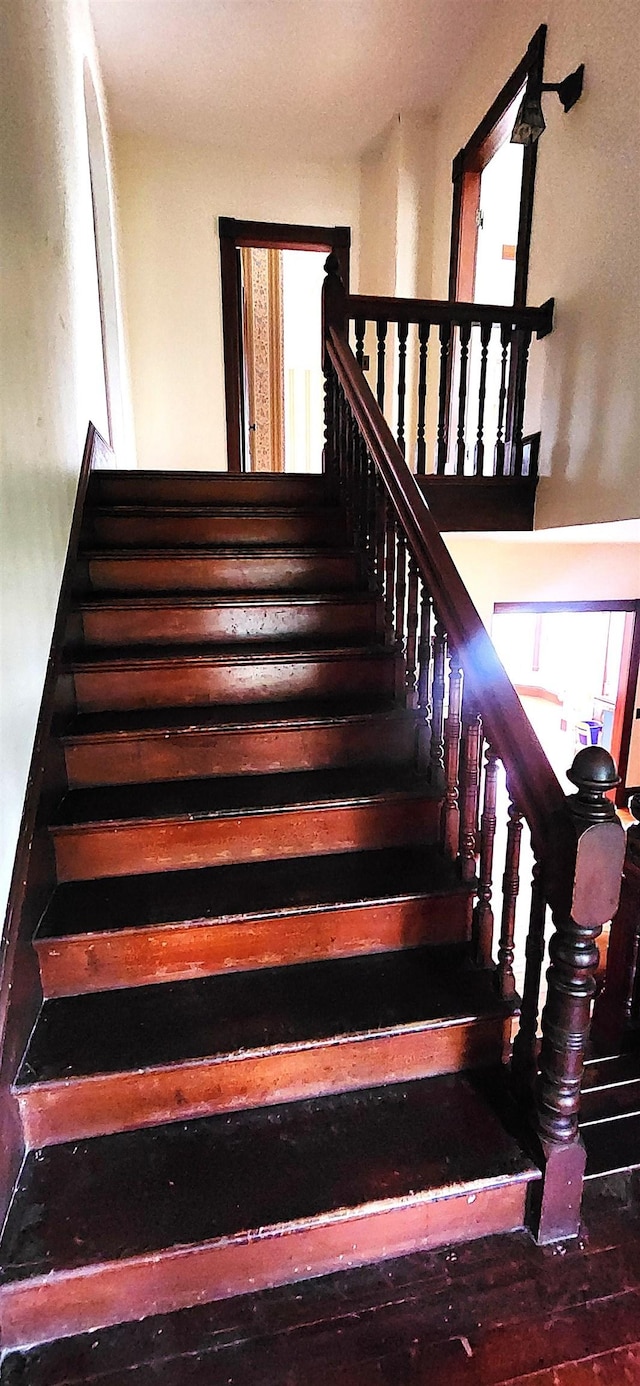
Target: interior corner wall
pixel 170 197
pixel 585 243
pixel 396 209
pixel 51 364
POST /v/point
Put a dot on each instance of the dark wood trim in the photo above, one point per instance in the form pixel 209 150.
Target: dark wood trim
pixel 34 872
pixel 480 503
pixel 633 668
pixel 469 163
pixel 532 780
pixel 439 310
pixel 268 235
pixel 625 604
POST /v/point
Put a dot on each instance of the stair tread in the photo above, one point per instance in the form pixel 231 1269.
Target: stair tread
pixel 234 794
pixel 303 712
pixel 612 1146
pixel 119 600
pixel 108 656
pixel 271 1008
pixel 245 891
pixel 253 509
pixel 187 1183
pixel 227 550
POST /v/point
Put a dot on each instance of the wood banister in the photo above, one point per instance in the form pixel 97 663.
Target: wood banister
pixel 372 308
pixel 506 724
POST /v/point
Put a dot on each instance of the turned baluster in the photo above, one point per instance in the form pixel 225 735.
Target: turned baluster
pixel 525 1045
pixel 403 329
pixel 389 574
pixel 371 516
pixel 421 446
pixel 485 336
pixel 381 333
pixel 465 334
pixel 360 326
pixel 469 791
pixel 615 1014
pixel 450 813
pixel 505 338
pixel 380 528
pixel 585 856
pixel 436 750
pixel 424 667
pixel 483 914
pixel 329 461
pixel 522 359
pixel 401 590
pixel 505 980
pixel 443 400
pixel 412 634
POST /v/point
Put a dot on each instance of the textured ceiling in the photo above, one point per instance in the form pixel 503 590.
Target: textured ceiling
pixel 314 78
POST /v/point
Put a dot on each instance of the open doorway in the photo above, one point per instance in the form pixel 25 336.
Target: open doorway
pixel 283 413
pixel 271 295
pixel 575 669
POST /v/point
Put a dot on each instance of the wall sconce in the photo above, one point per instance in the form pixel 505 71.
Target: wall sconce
pixel 530 121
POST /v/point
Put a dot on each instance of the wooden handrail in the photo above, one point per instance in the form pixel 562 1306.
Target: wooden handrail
pixel 532 781
pixel 437 311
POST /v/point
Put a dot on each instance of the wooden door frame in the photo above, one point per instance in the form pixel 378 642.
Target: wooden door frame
pixel 629 668
pixel 466 171
pixel 234 236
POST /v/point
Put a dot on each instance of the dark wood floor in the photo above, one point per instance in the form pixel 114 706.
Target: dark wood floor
pixel 496 1311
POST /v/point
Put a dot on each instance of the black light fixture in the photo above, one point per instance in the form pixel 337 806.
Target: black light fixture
pixel 530 121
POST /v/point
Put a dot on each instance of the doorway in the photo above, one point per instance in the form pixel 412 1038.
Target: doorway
pixel 574 666
pixel 271 292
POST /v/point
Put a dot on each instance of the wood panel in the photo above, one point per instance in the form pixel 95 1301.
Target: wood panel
pixel 171 620
pixel 117 849
pixel 189 526
pixel 96 1105
pixel 130 957
pixel 231 678
pixel 222 572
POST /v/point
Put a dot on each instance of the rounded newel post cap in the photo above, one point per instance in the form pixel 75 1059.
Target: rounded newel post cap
pixel 332 265
pixel 594 774
pixel 633 804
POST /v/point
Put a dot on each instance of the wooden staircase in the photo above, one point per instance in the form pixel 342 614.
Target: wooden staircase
pixel 263 1048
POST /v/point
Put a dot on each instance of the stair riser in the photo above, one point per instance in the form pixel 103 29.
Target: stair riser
pixel 202 573
pixel 199 683
pixel 123 849
pixel 129 759
pixel 81 1108
pixel 321 526
pixel 65 1303
pixel 170 488
pixel 179 952
pixel 135 625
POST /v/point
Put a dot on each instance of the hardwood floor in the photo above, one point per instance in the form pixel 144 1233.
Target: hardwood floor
pixel 494 1312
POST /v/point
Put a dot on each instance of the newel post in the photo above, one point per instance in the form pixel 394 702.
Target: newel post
pixel 583 873
pixel 334 315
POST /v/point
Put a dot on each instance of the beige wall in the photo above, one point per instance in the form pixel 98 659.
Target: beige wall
pixel 585 244
pixel 530 569
pixel 170 197
pixel 396 209
pixel 51 368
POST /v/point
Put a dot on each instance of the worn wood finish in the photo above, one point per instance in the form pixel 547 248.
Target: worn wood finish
pixel 116 848
pixel 208 488
pixel 499 1311
pixel 222 570
pixel 34 871
pixel 171 620
pixel 135 748
pixel 185 677
pixel 180 526
pixel 128 957
pixel 359 1186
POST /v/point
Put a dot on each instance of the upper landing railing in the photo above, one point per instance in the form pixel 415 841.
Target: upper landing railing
pixel 469 720
pixel 451 379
